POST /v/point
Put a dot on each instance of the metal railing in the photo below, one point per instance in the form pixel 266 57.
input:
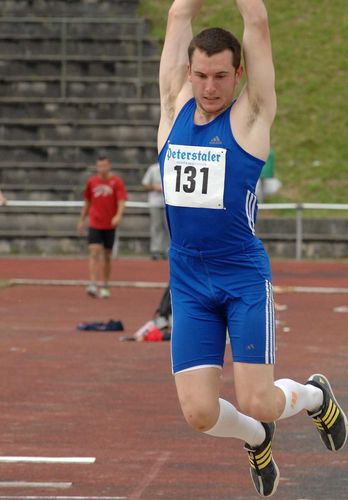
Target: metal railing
pixel 298 207
pixel 63 56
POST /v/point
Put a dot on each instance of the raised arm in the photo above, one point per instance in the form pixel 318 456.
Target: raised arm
pixel 257 103
pixel 174 89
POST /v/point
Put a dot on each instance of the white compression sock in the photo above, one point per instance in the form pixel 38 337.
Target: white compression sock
pixel 232 423
pixel 299 397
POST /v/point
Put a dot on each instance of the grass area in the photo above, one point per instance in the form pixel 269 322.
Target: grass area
pixel 310 132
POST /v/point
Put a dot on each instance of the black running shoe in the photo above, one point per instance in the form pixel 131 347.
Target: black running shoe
pixel 330 420
pixel 263 469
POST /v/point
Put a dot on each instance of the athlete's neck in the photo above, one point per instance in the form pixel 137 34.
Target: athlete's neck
pixel 202 117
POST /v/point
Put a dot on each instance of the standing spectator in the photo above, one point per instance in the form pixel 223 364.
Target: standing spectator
pixel 2 198
pixel 158 224
pixel 105 196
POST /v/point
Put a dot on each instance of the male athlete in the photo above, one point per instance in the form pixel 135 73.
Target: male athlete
pixel 105 197
pixel 211 150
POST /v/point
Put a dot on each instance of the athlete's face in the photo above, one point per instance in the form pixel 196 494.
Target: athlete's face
pixel 103 168
pixel 214 80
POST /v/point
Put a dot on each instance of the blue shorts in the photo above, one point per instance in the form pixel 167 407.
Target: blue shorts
pixel 215 294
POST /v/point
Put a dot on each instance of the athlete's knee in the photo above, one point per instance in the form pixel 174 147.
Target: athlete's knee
pixel 261 407
pixel 94 252
pixel 107 254
pixel 201 416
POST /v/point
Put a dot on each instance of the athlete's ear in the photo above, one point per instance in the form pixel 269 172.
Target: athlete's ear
pixel 189 72
pixel 239 74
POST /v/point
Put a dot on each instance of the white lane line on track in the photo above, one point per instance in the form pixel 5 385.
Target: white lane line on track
pixel 49 460
pixel 28 484
pixel 309 289
pixel 161 460
pixel 116 284
pixel 59 498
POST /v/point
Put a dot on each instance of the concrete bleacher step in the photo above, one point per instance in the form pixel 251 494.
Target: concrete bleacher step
pixel 38 47
pixel 46 68
pixel 57 173
pixel 127 31
pixel 91 109
pixel 62 130
pixel 85 151
pixel 45 220
pixel 49 65
pixel 81 87
pixel 62 8
pixel 62 243
pixel 57 122
pixel 56 192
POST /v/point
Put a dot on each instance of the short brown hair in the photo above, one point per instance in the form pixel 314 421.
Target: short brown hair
pixel 215 40
pixel 102 157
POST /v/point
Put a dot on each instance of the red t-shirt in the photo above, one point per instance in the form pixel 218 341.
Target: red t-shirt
pixel 104 194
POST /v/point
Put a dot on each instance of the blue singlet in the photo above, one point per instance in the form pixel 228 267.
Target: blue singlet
pixel 219 271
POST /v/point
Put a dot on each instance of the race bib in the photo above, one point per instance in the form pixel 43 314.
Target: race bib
pixel 194 176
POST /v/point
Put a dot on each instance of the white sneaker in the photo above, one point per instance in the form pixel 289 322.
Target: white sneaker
pixel 92 290
pixel 104 293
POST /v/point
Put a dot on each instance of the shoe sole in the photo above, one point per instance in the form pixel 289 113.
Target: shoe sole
pixel 311 378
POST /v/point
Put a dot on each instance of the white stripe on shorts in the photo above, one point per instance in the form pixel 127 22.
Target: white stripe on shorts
pixel 270 325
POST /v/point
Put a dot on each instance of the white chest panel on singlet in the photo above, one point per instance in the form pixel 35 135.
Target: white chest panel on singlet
pixel 194 176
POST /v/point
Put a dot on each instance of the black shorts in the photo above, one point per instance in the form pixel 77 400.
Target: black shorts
pixel 105 237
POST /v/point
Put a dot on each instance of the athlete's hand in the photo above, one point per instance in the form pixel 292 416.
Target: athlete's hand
pixel 115 221
pixel 2 199
pixel 81 227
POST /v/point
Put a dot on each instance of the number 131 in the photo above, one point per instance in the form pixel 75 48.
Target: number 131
pixel 188 181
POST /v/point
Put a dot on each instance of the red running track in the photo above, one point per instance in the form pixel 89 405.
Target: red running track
pixel 65 393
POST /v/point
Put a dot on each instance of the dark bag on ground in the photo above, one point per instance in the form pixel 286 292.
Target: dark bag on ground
pixel 158 328
pixel 110 326
pixel 165 307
